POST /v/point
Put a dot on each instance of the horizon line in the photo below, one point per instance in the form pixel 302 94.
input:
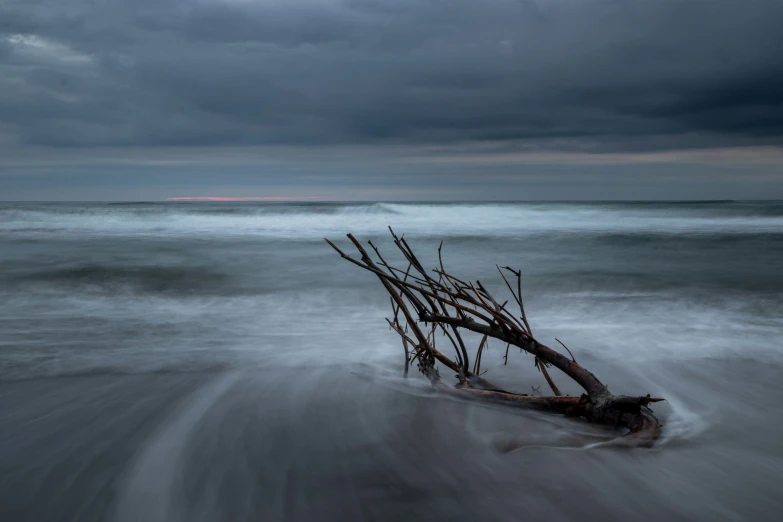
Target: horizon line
pixel 242 198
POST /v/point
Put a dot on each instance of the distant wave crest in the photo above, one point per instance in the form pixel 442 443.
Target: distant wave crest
pixel 316 220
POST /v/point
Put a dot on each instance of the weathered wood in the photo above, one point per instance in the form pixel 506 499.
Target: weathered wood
pixel 424 299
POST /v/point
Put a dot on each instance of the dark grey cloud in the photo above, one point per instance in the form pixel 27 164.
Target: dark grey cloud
pixel 615 75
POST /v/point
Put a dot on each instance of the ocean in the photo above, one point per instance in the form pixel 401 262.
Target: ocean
pixel 197 361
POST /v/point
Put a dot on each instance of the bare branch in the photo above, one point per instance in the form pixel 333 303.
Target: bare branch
pixel 566 347
pixel 518 273
pixel 423 299
pixel 542 367
pixel 477 363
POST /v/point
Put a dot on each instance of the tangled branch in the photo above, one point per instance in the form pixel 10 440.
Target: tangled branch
pixel 444 303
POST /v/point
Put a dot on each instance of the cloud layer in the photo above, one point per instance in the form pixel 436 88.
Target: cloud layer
pixel 595 76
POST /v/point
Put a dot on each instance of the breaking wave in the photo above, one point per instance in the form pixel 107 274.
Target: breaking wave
pixel 315 220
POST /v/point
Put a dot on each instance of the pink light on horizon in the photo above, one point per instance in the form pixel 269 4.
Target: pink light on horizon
pixel 253 198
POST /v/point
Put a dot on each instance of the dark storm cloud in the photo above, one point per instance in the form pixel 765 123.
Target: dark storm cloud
pixel 244 72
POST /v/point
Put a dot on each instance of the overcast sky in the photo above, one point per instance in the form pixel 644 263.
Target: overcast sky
pixel 391 99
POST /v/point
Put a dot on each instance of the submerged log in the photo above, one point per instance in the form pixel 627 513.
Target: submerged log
pixel 424 304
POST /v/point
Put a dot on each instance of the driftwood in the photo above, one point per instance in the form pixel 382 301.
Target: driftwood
pixel 425 304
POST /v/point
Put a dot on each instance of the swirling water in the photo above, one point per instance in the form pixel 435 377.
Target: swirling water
pixel 217 361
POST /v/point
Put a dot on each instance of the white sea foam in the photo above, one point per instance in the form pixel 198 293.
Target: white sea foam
pixel 311 222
